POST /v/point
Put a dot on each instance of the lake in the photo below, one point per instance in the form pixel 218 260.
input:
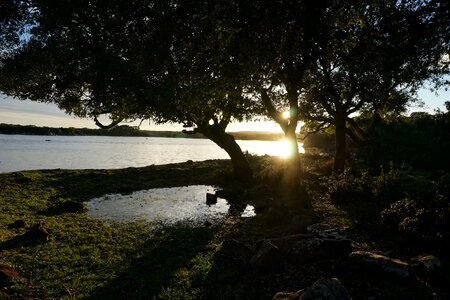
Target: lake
pixel 33 152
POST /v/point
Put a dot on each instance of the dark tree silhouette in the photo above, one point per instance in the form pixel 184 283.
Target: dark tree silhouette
pixel 371 60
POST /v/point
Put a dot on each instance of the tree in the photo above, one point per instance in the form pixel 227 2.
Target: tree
pixel 371 58
pixel 272 42
pixel 14 23
pixel 134 60
pixel 208 94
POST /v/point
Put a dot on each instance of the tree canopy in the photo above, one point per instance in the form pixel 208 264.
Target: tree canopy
pixel 207 64
pixel 371 60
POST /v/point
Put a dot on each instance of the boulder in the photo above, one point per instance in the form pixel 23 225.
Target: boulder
pixel 267 258
pixel 326 289
pixel 327 230
pixel 380 264
pixel 427 263
pixel 287 295
pixel 315 248
pixel 8 274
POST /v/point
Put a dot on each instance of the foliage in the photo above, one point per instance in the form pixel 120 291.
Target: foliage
pixel 371 60
pixel 387 187
pixel 346 187
pixel 423 216
pixel 391 185
pixel 421 141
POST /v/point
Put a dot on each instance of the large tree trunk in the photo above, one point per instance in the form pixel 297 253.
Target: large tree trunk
pixel 340 151
pixel 241 167
pixel 293 189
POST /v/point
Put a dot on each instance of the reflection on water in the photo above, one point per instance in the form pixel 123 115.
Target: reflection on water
pixel 248 212
pixel 169 206
pixel 281 148
pixel 22 152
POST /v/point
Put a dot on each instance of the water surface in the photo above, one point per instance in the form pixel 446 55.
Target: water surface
pixel 169 206
pixel 31 152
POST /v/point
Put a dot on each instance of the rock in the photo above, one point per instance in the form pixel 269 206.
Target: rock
pixel 381 264
pixel 300 223
pixel 234 194
pixel 37 233
pixel 236 250
pixel 267 258
pixel 426 263
pixel 326 289
pixel 8 274
pixel 318 248
pixel 236 209
pixel 211 199
pixel 73 206
pixel 287 295
pixel 327 230
pixel 17 224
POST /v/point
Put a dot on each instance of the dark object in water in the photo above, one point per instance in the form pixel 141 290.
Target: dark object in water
pixel 211 199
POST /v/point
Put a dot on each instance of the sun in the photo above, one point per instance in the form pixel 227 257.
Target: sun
pixel 285 149
pixel 286 114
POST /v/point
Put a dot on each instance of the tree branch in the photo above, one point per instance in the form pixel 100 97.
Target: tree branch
pixel 317 129
pixel 272 111
pixel 113 123
pixel 323 101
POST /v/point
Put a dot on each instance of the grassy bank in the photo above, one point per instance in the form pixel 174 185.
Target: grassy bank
pixel 81 258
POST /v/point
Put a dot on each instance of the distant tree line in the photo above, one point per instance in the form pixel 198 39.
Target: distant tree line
pixel 121 130
pixel 125 130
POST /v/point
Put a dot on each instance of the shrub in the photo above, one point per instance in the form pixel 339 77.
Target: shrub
pixel 422 217
pixel 390 186
pixel 346 187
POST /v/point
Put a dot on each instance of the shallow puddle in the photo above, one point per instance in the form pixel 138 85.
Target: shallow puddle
pixel 169 206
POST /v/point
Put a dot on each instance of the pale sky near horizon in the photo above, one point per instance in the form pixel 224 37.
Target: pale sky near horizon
pixel 26 112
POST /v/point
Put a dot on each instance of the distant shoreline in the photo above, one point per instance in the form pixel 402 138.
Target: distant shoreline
pixel 125 130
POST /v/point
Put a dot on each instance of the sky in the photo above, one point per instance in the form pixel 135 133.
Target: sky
pixel 26 112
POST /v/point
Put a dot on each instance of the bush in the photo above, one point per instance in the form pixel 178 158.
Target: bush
pixel 390 186
pixel 346 187
pixel 422 217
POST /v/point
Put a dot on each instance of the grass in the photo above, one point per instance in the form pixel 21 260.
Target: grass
pixel 88 259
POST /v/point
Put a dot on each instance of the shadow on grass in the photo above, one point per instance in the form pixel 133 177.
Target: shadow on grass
pixel 158 266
